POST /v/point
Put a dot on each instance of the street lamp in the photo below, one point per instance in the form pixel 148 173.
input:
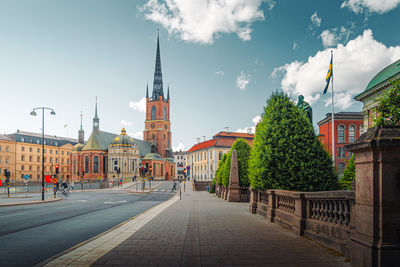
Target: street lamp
pixel 33 113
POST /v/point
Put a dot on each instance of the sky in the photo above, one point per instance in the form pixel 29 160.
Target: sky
pixel 221 59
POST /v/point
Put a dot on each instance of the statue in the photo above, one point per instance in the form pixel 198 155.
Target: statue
pixel 305 107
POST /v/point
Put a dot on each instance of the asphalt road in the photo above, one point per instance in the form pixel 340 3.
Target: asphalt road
pixel 29 234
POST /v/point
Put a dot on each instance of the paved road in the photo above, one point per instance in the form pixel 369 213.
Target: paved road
pixel 30 234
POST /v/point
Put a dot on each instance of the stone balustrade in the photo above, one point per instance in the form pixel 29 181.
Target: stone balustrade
pixel 322 216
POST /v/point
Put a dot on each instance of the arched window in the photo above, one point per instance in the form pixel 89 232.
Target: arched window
pixel 352 133
pixel 341 134
pixel 95 164
pixel 153 113
pixel 87 164
pixel 165 113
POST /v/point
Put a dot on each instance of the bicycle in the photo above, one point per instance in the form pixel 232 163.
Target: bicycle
pixel 63 192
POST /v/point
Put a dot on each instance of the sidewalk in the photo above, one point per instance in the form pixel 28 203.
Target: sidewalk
pixel 26 198
pixel 200 230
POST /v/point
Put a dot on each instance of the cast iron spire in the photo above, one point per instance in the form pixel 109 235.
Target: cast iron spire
pixel 168 92
pixel 158 83
pixel 147 90
pixel 96 119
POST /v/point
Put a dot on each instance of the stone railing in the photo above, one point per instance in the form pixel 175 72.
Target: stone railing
pixel 201 185
pixel 244 194
pixel 327 217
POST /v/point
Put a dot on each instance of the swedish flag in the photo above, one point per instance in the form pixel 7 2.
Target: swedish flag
pixel 329 75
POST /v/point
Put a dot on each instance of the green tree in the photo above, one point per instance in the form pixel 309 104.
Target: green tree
pixel 388 109
pixel 349 175
pixel 212 189
pixel 286 154
pixel 218 172
pixel 225 171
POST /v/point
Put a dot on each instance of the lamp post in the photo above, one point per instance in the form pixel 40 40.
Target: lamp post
pixel 33 113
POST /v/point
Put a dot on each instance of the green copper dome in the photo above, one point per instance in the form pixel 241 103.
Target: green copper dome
pixel 385 74
pixel 78 147
pixel 122 140
pixel 153 156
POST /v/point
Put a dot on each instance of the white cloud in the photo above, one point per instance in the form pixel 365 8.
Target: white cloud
pixel 139 106
pixel 179 147
pixel 125 123
pixel 255 121
pixel 137 135
pixel 354 65
pixel 242 81
pixel 315 20
pixel 203 21
pixel 220 73
pixel 378 6
pixel 295 45
pixel 333 36
pixel 271 4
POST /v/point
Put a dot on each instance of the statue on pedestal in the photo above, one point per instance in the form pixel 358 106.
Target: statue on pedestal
pixel 305 107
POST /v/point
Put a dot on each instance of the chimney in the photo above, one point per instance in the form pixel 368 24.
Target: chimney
pixel 204 138
pixel 249 130
pixel 226 129
pixel 198 139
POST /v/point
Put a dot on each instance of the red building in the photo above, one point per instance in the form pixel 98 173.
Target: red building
pixel 348 126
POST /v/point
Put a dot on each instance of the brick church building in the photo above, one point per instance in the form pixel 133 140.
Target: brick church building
pixel 107 155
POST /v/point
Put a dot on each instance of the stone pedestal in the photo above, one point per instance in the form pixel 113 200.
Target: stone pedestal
pixel 375 240
pixel 234 188
pixel 253 200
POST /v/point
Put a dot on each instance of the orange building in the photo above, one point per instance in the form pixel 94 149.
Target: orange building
pixel 348 126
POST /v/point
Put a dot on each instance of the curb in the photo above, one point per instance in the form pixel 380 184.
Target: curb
pixel 54 257
pixel 30 202
pixel 146 192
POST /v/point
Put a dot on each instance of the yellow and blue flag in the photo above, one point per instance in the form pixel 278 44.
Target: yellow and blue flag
pixel 329 75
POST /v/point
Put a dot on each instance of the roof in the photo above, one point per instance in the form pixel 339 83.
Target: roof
pixel 234 134
pixel 202 145
pixel 122 140
pixel 4 137
pixel 382 76
pixel 155 156
pixel 53 137
pixel 101 140
pixel 357 116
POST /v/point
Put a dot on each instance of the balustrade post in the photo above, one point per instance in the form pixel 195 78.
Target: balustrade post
pixel 376 237
pixel 299 213
pixel 253 200
pixel 271 205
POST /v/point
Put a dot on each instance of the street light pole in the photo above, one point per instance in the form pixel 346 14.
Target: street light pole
pixel 33 113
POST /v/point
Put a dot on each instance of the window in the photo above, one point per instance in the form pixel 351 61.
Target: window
pixel 51 160
pixel 153 113
pixel 6 160
pixel 67 161
pixel 340 169
pixel 22 158
pixel 67 153
pixel 220 155
pixel 165 114
pixel 62 161
pixel 22 168
pixel 0 148
pixel 56 160
pixel 37 141
pixel 38 150
pixel 22 175
pixel 30 149
pixel 0 162
pixel 22 148
pixel 56 152
pixel 341 152
pixel 55 143
pixel 210 154
pixel 95 164
pixel 30 168
pixel 38 168
pixel 62 152
pixel 38 159
pixel 51 151
pixel 22 139
pixel 352 133
pixel 115 165
pixel 86 164
pixel 7 148
pixel 341 134
pixel 30 158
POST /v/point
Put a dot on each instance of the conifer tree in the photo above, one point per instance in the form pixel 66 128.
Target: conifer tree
pixel 349 175
pixel 218 172
pixel 286 153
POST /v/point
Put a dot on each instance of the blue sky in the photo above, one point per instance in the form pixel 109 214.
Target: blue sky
pixel 221 59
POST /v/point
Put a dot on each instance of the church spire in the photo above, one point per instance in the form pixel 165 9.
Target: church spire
pixel 147 90
pixel 168 92
pixel 81 133
pixel 158 83
pixel 96 119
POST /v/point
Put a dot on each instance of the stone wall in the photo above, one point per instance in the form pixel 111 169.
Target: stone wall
pixel 201 185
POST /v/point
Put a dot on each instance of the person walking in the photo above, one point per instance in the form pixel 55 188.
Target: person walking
pixel 174 186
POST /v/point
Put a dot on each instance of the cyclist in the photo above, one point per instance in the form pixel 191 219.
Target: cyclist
pixel 64 185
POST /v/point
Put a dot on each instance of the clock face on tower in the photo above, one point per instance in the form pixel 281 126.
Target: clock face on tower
pixel 152 126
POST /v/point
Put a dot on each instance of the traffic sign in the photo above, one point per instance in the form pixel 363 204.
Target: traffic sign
pixel 54 180
pixel 188 167
pixel 47 178
pixel 27 177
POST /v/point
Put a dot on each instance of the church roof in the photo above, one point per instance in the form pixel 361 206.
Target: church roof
pixel 382 76
pixel 123 140
pixel 101 140
pixel 158 83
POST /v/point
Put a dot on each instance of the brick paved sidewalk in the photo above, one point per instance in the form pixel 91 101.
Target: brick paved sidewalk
pixel 202 230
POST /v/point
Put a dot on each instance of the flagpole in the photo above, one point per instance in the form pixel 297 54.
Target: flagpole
pixel 333 118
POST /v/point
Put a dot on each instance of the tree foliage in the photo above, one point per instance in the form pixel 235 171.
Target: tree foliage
pixel 286 154
pixel 349 175
pixel 388 109
pixel 225 171
pixel 218 172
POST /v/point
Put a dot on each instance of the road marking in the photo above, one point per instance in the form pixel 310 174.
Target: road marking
pixel 81 200
pixel 163 190
pixel 90 252
pixel 116 202
pixel 2 216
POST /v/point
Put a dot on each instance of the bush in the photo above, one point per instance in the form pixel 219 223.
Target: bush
pixel 286 154
pixel 389 106
pixel 225 171
pixel 218 172
pixel 349 175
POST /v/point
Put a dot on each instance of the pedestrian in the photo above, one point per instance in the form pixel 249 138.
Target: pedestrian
pixel 174 186
pixel 72 185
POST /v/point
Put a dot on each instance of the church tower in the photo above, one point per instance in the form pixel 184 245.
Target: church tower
pixel 96 120
pixel 157 124
pixel 81 133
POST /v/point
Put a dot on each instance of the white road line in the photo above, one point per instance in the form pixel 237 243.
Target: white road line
pixel 89 253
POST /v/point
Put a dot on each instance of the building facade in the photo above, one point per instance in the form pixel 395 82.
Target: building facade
pixel 21 153
pixel 375 88
pixel 348 127
pixel 105 153
pixel 180 161
pixel 203 157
